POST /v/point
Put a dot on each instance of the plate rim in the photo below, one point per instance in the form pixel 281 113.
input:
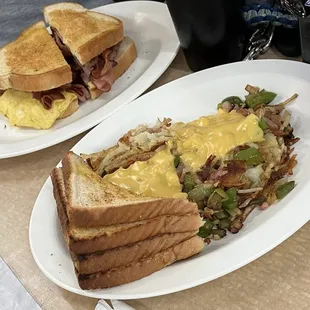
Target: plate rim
pixel 62 134
pixel 291 228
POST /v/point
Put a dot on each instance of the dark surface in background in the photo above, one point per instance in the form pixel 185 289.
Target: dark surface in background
pixel 211 32
pixel 16 15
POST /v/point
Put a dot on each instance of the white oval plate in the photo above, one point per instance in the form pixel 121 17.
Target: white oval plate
pixel 149 24
pixel 183 100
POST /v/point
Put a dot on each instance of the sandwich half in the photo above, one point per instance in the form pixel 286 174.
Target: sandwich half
pixel 93 43
pixel 35 80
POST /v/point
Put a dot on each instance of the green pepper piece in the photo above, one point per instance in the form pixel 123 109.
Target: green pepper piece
pixel 219 232
pixel 251 156
pixel 205 230
pixel 262 97
pixel 284 189
pixel 200 204
pixel 189 182
pixel 177 160
pixel 208 224
pixel 257 201
pixel 230 202
pixel 215 201
pixel 221 192
pixel 215 222
pixel 263 125
pixel 221 215
pixel 224 224
pixel 233 100
pixel 200 192
pixel 234 212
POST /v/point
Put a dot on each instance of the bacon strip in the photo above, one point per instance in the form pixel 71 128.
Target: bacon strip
pixel 47 97
pixel 98 70
pixel 102 74
pixel 80 90
pixel 205 172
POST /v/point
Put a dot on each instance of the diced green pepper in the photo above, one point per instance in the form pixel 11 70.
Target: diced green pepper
pixel 224 224
pixel 205 230
pixel 219 232
pixel 263 125
pixel 221 215
pixel 189 182
pixel 221 192
pixel 200 192
pixel 251 156
pixel 233 100
pixel 215 201
pixel 177 160
pixel 215 222
pixel 230 202
pixel 257 201
pixel 200 204
pixel 262 97
pixel 234 212
pixel 284 189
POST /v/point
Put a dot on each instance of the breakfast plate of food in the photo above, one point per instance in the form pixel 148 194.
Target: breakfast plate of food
pixel 209 173
pixel 59 81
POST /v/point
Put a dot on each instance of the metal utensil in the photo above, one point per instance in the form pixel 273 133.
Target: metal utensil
pixel 259 41
pixel 116 305
pixel 294 7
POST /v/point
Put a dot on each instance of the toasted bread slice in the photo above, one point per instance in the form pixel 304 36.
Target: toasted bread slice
pixel 126 55
pixel 82 240
pixel 93 201
pixel 85 33
pixel 143 268
pixel 33 62
pixel 123 256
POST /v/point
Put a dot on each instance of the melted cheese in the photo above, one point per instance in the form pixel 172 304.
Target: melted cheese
pixel 195 141
pixel 23 110
pixel 154 177
pixel 214 135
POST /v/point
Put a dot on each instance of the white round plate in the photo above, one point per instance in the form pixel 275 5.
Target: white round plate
pixel 184 100
pixel 149 24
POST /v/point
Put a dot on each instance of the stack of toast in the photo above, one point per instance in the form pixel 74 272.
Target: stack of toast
pixel 115 236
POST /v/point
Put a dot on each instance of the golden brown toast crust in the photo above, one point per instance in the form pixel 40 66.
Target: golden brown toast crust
pixel 39 82
pixel 98 44
pixel 142 268
pixel 33 62
pixel 122 256
pixel 150 228
pixel 60 197
pixel 84 32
